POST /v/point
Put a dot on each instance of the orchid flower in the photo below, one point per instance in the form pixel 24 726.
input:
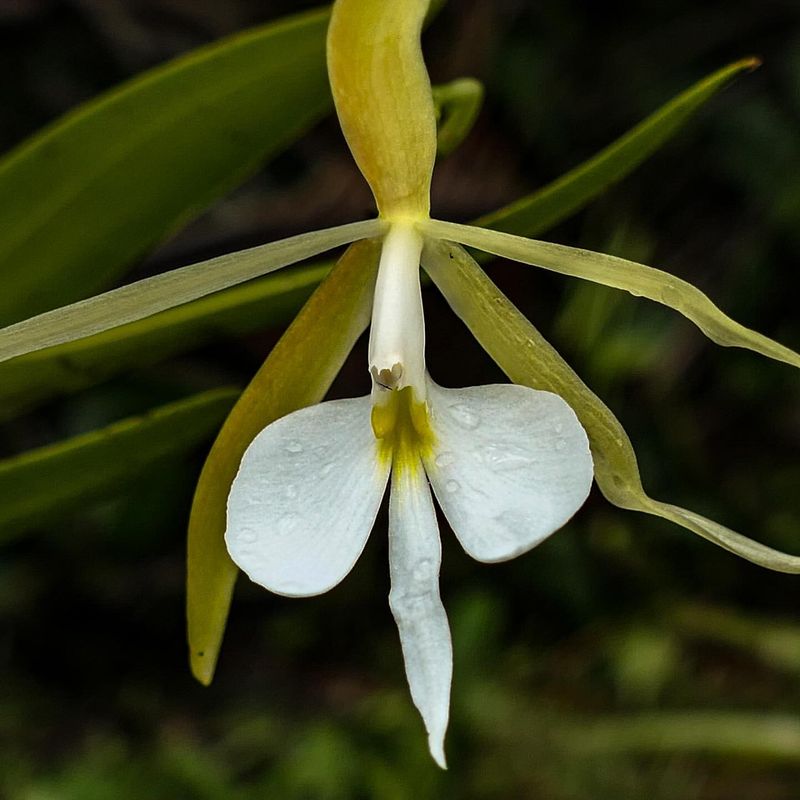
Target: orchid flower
pixel 508 464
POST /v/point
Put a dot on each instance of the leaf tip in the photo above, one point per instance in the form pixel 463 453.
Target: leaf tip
pixel 750 63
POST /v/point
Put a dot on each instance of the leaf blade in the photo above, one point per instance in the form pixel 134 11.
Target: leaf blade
pixel 40 483
pixel 541 210
pixel 136 181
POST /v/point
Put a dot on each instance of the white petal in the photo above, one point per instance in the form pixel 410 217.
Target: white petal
pixel 509 467
pixel 415 555
pixel 306 496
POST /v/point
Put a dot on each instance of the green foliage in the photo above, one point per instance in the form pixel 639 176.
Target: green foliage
pixel 42 484
pixel 94 191
pixel 579 674
pixel 539 211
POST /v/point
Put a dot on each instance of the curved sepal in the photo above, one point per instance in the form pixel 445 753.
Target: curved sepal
pixel 619 273
pixel 297 373
pixel 527 358
pixel 383 98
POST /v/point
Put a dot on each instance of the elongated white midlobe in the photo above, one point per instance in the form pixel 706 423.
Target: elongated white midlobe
pixel 397 336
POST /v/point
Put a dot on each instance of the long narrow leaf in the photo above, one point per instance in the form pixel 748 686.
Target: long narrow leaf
pixel 527 358
pixel 535 213
pixel 52 480
pixel 297 373
pixel 91 193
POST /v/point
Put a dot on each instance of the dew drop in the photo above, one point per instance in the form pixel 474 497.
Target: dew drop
pixel 452 486
pixel 465 416
pixel 444 459
pixel 408 605
pixel 287 525
pixel 294 447
pixel 423 570
pixel 670 296
pixel 327 469
pixel 504 457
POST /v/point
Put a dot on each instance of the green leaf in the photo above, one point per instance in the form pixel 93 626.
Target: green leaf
pixel 27 380
pixel 94 191
pixel 297 373
pixel 457 106
pixel 543 209
pixel 40 484
pixel 528 359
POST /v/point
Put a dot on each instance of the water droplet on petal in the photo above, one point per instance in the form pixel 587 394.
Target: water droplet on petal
pixel 294 447
pixel 327 469
pixel 559 426
pixel 452 486
pixel 465 416
pixel 423 570
pixel 409 605
pixel 287 525
pixel 444 459
pixel 503 457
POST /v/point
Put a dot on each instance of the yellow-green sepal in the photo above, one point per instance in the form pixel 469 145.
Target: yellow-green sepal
pixel 383 98
pixel 297 373
pixel 528 359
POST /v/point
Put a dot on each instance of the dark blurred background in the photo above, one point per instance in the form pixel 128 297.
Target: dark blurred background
pixel 624 657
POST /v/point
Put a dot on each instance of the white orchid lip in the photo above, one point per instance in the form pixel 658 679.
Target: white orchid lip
pixel 397 335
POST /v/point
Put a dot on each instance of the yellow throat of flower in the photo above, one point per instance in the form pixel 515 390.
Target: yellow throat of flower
pixel 383 98
pixel 402 426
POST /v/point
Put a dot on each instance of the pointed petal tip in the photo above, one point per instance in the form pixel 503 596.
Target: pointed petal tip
pixel 436 747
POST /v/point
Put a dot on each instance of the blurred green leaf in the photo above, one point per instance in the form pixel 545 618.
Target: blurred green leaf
pixel 458 104
pixel 297 373
pixel 66 368
pixel 52 480
pixel 84 198
pixel 539 211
